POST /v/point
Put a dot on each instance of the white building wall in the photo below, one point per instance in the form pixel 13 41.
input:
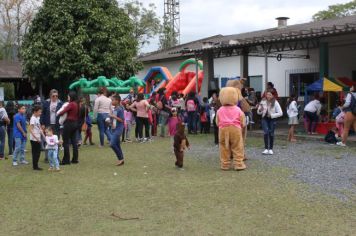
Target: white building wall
pixel 342 63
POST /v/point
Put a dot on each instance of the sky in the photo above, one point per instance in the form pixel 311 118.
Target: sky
pixel 204 18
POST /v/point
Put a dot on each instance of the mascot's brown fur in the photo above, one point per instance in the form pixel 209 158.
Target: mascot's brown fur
pixel 245 107
pixel 230 136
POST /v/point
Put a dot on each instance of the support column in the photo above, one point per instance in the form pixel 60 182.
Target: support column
pixel 244 65
pixel 208 64
pixel 323 60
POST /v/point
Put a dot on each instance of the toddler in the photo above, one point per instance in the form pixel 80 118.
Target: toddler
pixel 52 149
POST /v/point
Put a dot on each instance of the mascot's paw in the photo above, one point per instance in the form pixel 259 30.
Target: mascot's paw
pixel 240 166
pixel 225 169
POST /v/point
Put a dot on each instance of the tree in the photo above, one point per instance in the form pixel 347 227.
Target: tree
pixel 146 22
pixel 336 11
pixel 167 38
pixel 91 38
pixel 15 18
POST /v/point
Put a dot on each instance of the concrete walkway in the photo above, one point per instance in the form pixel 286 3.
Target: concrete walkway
pixel 282 132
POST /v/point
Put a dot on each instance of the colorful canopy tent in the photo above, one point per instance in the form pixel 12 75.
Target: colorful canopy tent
pixel 325 85
pixel 113 85
pixel 346 81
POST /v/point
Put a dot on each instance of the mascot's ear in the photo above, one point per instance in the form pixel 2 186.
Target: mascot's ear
pixel 228 96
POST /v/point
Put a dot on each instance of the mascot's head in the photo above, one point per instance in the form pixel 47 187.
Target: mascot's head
pixel 237 85
pixel 228 96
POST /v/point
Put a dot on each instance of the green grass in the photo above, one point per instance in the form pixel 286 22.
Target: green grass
pixel 201 200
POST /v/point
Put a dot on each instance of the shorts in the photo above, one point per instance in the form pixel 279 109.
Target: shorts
pixel 293 120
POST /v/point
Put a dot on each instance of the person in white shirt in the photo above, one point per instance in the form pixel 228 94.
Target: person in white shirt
pixel 292 111
pixel 102 109
pixel 311 114
pixel 52 143
pixel 35 136
pixel 4 120
pixel 270 109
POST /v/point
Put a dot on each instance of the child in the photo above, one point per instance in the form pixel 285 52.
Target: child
pixel 339 122
pixel 292 111
pixel 52 149
pixel 180 144
pixel 20 136
pixel 128 122
pixel 35 136
pixel 330 137
pixel 88 133
pixel 172 123
pixel 117 127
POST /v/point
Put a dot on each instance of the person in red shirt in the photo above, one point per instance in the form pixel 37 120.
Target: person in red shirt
pixel 70 128
pixel 272 89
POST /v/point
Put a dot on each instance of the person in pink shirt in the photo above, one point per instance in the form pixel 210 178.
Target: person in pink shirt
pixel 230 120
pixel 172 124
pixel 141 106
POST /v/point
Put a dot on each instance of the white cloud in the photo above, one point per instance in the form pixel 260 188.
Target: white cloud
pixel 204 18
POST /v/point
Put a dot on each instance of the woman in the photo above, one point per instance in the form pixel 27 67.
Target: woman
pixel 292 111
pixel 102 109
pixel 311 114
pixel 270 109
pixel 141 106
pixel 11 111
pixel 350 115
pixel 70 128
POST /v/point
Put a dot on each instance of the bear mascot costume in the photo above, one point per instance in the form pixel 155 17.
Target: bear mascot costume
pixel 230 119
pixel 242 103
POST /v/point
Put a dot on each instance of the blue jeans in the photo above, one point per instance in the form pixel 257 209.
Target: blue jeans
pixel 2 141
pixel 115 143
pixel 103 128
pixel 19 152
pixel 268 126
pixel 163 118
pixel 192 122
pixel 53 158
pixel 10 139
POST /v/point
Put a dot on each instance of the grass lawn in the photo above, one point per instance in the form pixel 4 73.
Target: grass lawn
pixel 148 196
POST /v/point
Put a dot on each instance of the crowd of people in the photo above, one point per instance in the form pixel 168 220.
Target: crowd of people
pixel 55 125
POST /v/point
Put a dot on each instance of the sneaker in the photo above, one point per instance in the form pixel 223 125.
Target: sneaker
pixel 270 152
pixel 128 140
pixel 57 169
pixel 24 162
pixel 265 152
pixel 50 169
pixel 38 168
pixel 14 163
pixel 341 144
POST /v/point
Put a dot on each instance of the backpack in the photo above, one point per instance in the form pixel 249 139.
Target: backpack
pixel 191 105
pixel 353 104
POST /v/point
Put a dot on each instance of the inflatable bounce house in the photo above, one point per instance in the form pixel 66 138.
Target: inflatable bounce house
pixel 113 85
pixel 184 82
pixel 157 77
